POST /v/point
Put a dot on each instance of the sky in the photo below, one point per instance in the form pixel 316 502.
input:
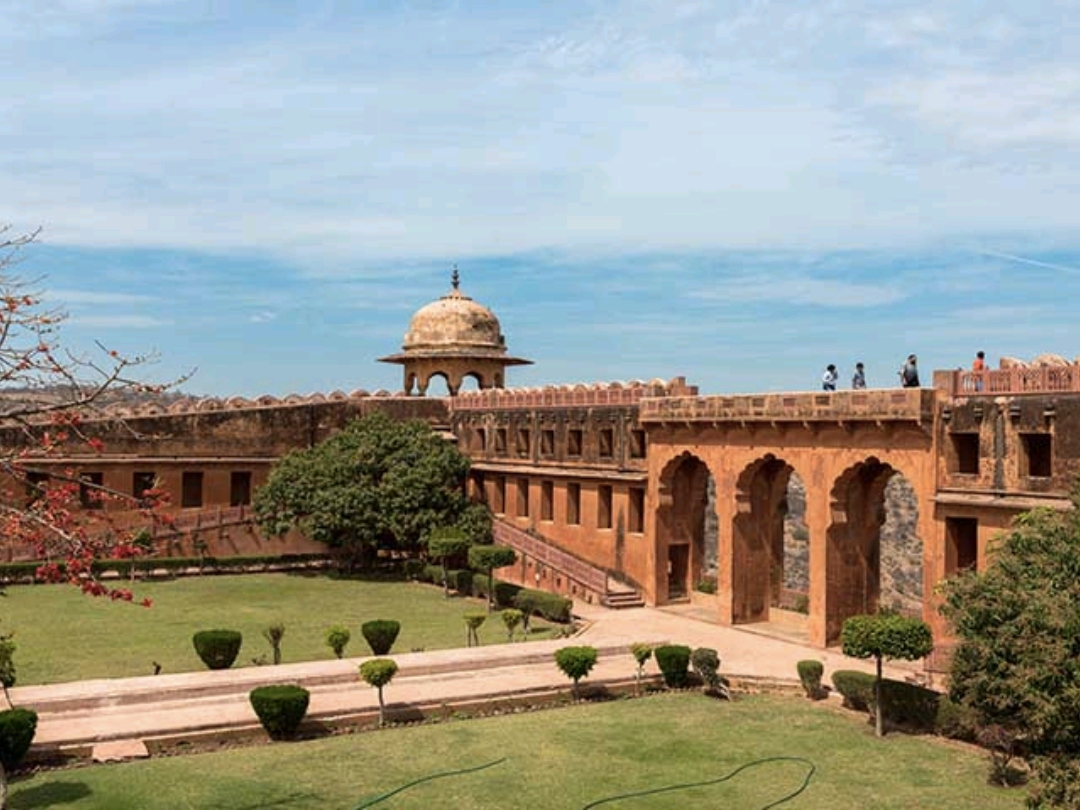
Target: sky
pixel 736 192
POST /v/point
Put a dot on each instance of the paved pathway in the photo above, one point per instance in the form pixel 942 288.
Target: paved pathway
pixel 89 712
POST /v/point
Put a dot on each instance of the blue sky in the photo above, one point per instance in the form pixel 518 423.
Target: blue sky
pixel 738 192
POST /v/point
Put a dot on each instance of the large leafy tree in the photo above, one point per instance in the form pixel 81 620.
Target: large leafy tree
pixel 1017 660
pixel 379 483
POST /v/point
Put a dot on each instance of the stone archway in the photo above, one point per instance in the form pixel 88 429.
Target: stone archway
pixel 682 546
pixel 758 533
pixel 864 515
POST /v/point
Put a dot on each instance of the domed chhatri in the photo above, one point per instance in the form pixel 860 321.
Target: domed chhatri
pixel 456 338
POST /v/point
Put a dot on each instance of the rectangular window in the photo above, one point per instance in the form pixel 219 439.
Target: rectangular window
pixel 36 482
pixel 573 442
pixel 637 510
pixel 637 444
pixel 603 507
pixel 547 500
pixel 547 442
pixel 500 440
pixel 523 497
pixel 573 504
pixel 141 482
pixel 1036 459
pixel 606 443
pixel 523 443
pixel 481 439
pixel 965 453
pixel 191 490
pixel 90 493
pixel 498 495
pixel 961 545
pixel 240 488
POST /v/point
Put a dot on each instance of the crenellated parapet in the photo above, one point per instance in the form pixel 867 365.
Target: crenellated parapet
pixel 572 395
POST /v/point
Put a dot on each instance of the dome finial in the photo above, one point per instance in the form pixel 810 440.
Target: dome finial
pixel 455 279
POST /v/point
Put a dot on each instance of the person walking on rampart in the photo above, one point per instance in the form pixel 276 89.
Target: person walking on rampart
pixel 978 365
pixel 858 381
pixel 909 372
pixel 829 378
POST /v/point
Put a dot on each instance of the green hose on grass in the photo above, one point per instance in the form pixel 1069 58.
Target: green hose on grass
pixel 811 768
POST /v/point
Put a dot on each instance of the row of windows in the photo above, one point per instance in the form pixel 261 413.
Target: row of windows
pixel 191 487
pixel 498 439
pixel 1035 456
pixel 604 503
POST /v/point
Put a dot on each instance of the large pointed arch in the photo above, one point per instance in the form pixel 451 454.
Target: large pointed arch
pixel 682 543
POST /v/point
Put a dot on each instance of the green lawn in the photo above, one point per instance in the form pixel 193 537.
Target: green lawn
pixel 62 635
pixel 561 759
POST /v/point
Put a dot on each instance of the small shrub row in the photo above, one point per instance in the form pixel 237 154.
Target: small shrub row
pixel 903 704
pixel 280 708
pixel 551 606
pixel 19 571
pixel 856 688
pixel 810 675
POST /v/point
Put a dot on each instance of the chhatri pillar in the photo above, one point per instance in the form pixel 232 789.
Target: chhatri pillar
pixel 456 338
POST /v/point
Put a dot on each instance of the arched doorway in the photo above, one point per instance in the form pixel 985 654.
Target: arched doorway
pixel 758 540
pixel 682 526
pixel 874 553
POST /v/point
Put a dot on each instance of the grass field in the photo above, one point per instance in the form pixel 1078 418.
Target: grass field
pixel 561 759
pixel 62 635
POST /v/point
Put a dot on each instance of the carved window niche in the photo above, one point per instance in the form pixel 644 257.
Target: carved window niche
pixel 498 495
pixel 141 482
pixel 480 439
pixel 637 444
pixel 191 490
pixel 574 440
pixel 500 441
pixel 523 497
pixel 606 443
pixel 547 443
pixel 547 500
pixel 1036 455
pixel 240 488
pixel 964 458
pixel 573 504
pixel 636 521
pixel 603 506
pixel 961 545
pixel 523 443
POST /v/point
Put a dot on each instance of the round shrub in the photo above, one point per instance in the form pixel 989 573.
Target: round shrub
pixel 674 663
pixel 337 638
pixel 17 728
pixel 217 648
pixel 706 664
pixel 280 708
pixel 857 688
pixel 380 634
pixel 576 662
pixel 810 674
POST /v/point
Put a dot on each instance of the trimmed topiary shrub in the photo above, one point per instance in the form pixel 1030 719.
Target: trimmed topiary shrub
pixel 380 634
pixel 810 674
pixel 337 638
pixel 511 619
pixel 551 606
pixel 505 593
pixel 17 729
pixel 576 663
pixel 473 620
pixel 280 708
pixel 378 672
pixel 432 574
pixel 218 648
pixel 461 580
pixel 857 688
pixel 674 663
pixel 413 568
pixel 706 664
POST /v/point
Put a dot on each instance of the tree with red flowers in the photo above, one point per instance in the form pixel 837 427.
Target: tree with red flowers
pixel 49 395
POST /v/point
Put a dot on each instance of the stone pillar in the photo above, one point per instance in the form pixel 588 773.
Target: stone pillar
pixel 819 484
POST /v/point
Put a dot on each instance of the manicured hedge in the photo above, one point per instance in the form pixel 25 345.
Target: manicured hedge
pixel 25 570
pixel 217 648
pixel 280 708
pixel 674 663
pixel 461 580
pixel 810 674
pixel 909 705
pixel 551 606
pixel 380 634
pixel 17 729
pixel 857 688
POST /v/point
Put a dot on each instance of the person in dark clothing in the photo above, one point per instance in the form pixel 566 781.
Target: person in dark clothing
pixel 909 373
pixel 858 381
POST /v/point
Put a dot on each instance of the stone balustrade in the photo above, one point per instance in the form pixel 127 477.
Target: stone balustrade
pixel 899 404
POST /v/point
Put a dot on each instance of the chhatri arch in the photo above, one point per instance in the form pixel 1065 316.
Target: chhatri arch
pixel 455 338
pixel 681 525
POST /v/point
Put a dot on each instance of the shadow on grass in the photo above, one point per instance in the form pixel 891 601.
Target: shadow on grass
pixel 47 795
pixel 296 799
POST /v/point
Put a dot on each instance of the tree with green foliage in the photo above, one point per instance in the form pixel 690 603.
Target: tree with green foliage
pixel 445 544
pixel 512 618
pixel 1016 663
pixel 378 484
pixel 378 672
pixel 473 621
pixel 642 653
pixel 273 635
pixel 487 559
pixel 885 636
pixel 576 663
pixel 337 639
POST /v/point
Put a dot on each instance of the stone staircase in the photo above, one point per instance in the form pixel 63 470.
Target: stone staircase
pixel 613 594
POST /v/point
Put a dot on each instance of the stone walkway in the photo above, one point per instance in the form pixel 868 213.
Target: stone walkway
pixel 133 709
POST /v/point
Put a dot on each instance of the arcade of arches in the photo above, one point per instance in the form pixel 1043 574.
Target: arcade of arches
pixel 832 532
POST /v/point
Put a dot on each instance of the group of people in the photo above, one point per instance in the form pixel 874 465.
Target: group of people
pixel 909 375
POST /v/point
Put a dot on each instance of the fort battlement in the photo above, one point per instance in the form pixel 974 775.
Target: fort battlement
pixel 577 395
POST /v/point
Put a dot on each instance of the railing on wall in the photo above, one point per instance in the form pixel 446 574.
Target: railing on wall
pixel 203 519
pixel 589 576
pixel 1013 381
